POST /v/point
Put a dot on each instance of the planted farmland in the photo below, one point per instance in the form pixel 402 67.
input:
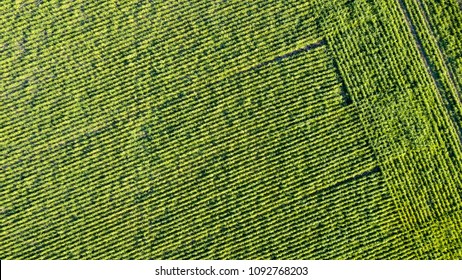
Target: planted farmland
pixel 231 130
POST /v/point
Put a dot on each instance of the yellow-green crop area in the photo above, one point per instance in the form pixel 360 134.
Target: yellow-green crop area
pixel 231 129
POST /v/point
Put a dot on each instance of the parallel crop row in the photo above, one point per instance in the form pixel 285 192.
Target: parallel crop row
pixel 408 124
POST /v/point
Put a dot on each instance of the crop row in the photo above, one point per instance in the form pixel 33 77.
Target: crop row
pixel 408 124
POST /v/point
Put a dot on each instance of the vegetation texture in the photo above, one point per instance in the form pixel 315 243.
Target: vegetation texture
pixel 231 129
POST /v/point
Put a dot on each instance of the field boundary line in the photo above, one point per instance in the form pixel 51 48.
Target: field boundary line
pixel 347 99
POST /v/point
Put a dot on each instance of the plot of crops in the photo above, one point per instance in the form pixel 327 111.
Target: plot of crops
pixel 188 129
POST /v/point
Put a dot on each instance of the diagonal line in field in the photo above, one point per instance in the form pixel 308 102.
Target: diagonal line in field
pixel 347 100
pixel 345 96
pixel 353 179
pixel 426 61
pixel 114 123
pixel 273 208
pixel 425 16
pixel 290 54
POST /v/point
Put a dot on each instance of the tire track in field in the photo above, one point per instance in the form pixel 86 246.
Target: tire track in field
pixel 440 53
pixel 426 61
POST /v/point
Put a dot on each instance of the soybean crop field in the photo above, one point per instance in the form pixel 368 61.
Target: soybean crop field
pixel 231 129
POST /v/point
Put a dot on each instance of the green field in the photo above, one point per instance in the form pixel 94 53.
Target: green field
pixel 231 129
